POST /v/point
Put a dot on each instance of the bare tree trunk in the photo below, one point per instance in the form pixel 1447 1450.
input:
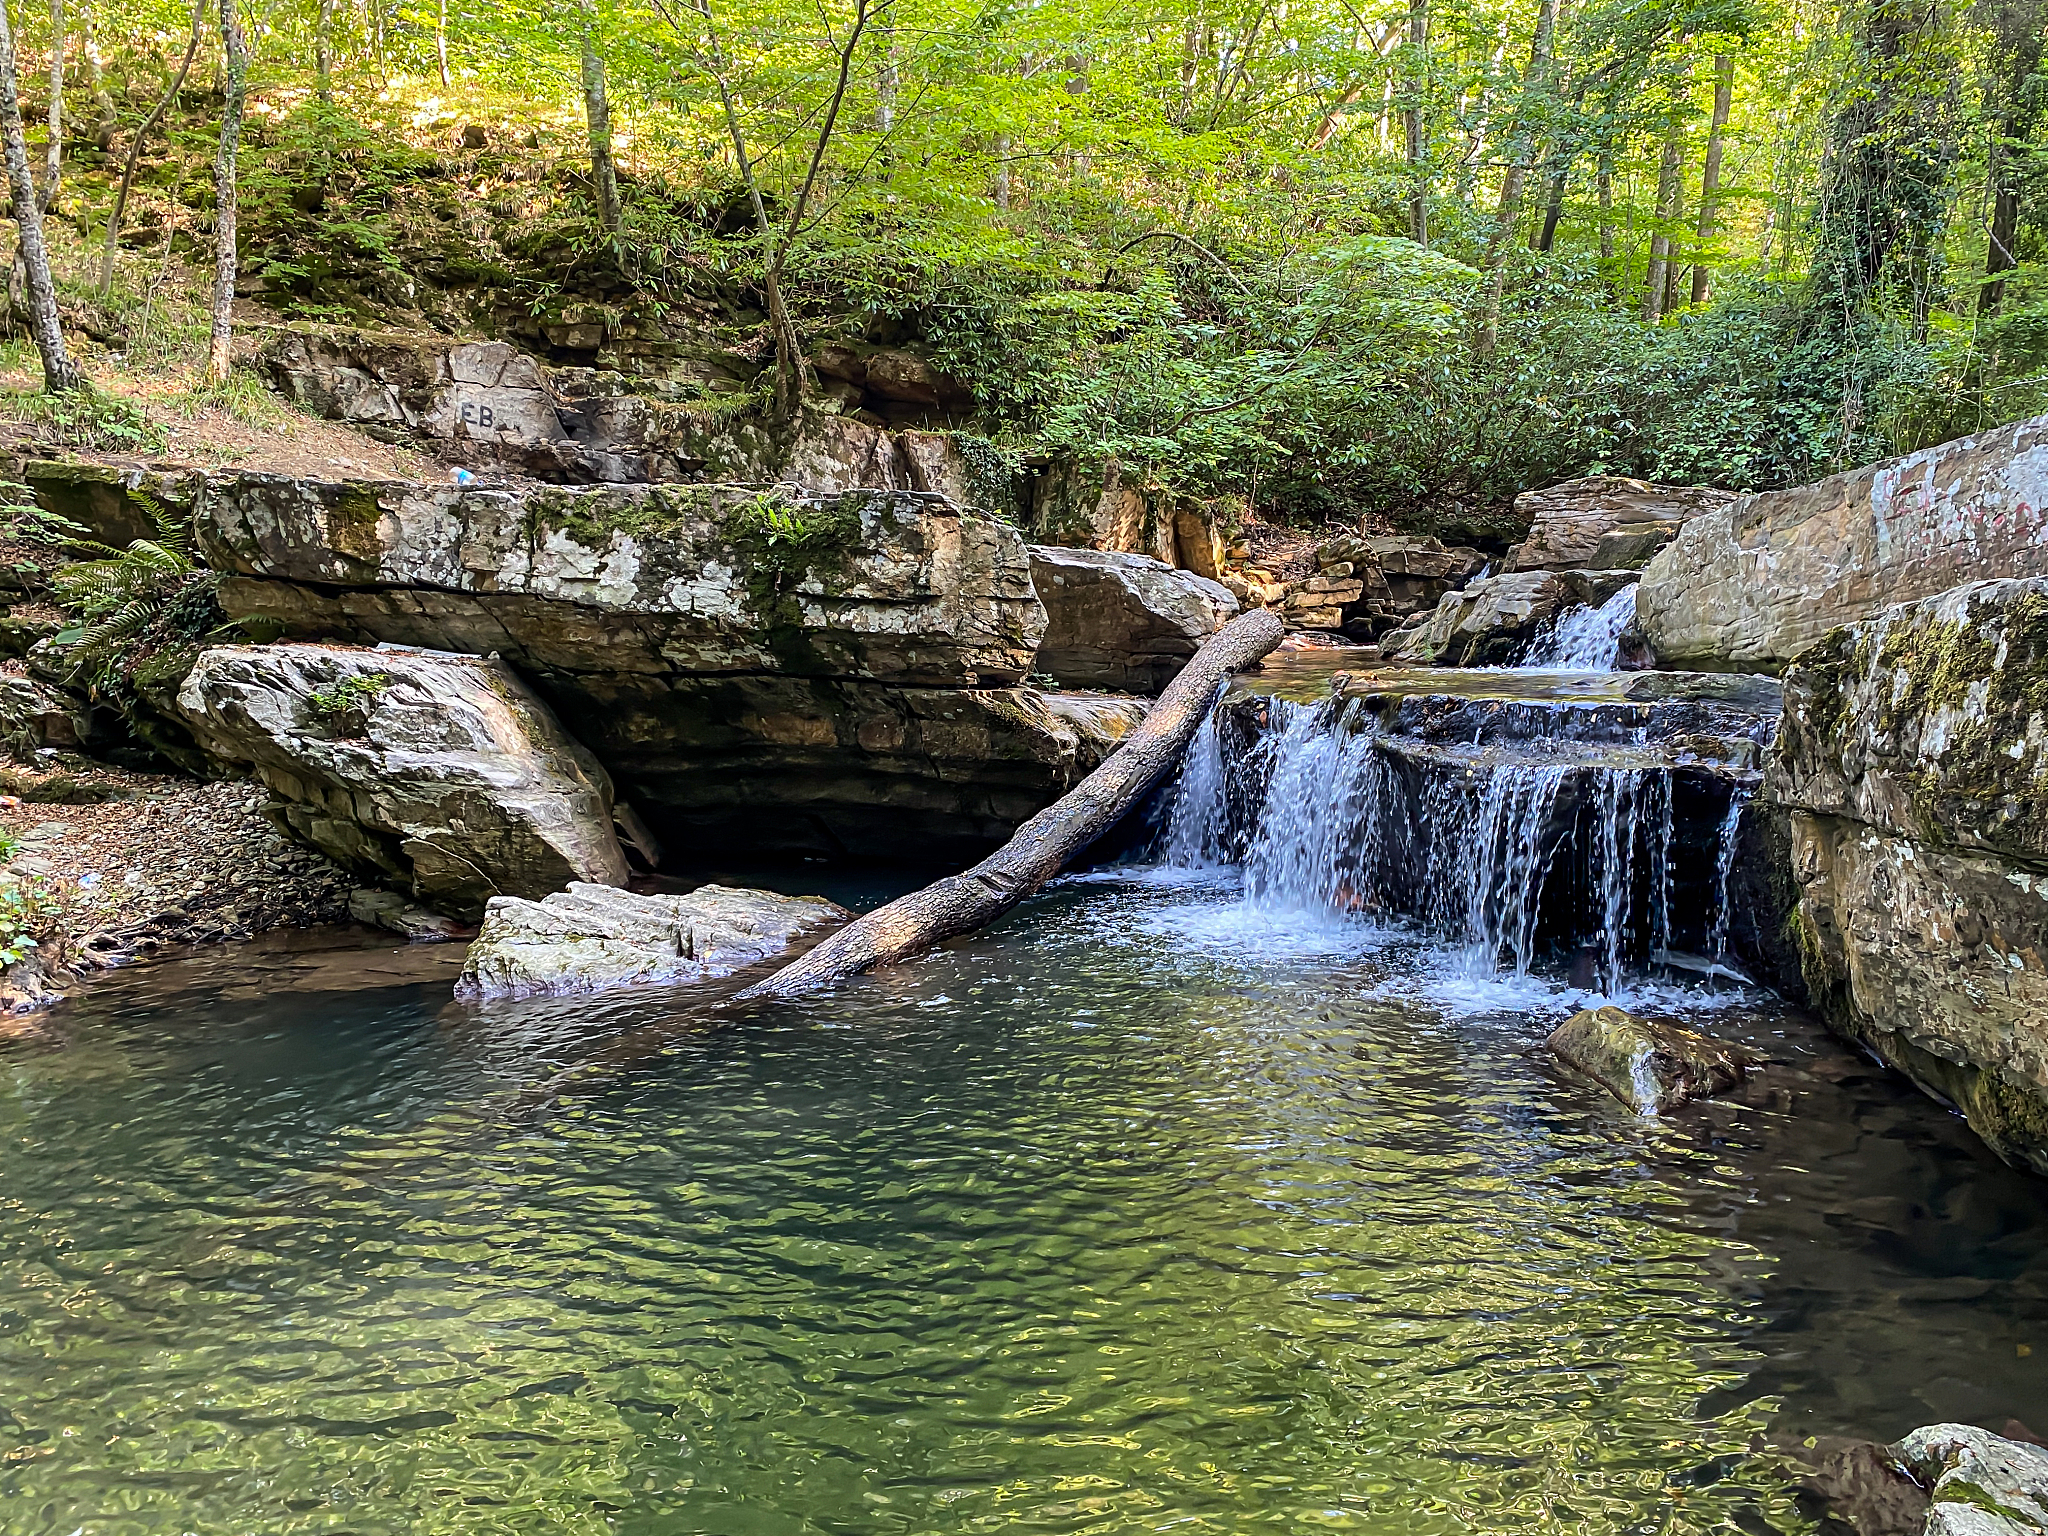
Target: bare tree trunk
pixel 1710 177
pixel 1603 180
pixel 1545 235
pixel 441 40
pixel 1002 181
pixel 1415 124
pixel 53 154
pixel 135 148
pixel 1523 150
pixel 1658 276
pixel 323 53
pixel 60 373
pixel 103 116
pixel 2015 104
pixel 220 351
pixel 597 109
pixel 1044 844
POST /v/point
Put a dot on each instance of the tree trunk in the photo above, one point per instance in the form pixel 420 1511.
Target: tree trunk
pixel 441 40
pixel 597 111
pixel 60 373
pixel 323 53
pixel 104 121
pixel 53 155
pixel 1415 124
pixel 1603 180
pixel 1002 179
pixel 1658 277
pixel 135 148
pixel 1523 149
pixel 1545 235
pixel 1710 177
pixel 220 352
pixel 2015 107
pixel 1044 844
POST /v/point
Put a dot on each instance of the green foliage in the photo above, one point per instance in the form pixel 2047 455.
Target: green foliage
pixel 787 538
pixel 350 695
pixel 141 612
pixel 26 912
pixel 25 520
pixel 93 422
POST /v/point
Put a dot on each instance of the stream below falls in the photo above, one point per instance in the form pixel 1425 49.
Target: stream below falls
pixel 1175 1202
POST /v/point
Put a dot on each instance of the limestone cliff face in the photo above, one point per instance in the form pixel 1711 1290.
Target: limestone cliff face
pixel 1751 586
pixel 832 674
pixel 1913 760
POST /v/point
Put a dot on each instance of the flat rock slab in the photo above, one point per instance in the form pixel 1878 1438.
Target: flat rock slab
pixel 590 938
pixel 1649 1066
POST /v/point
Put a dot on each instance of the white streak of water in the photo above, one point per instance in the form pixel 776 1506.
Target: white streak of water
pixel 1585 639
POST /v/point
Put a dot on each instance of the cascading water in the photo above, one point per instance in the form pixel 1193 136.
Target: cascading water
pixel 1596 856
pixel 1586 639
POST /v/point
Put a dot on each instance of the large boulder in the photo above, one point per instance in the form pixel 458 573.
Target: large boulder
pixel 1493 621
pixel 1981 1484
pixel 1121 621
pixel 760 673
pixel 1419 571
pixel 1751 586
pixel 1913 762
pixel 592 937
pixel 438 774
pixel 1604 522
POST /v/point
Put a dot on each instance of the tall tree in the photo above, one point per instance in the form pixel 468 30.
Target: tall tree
pixel 1521 150
pixel 1415 121
pixel 60 373
pixel 226 192
pixel 53 152
pixel 141 137
pixel 597 115
pixel 1656 281
pixel 1710 178
pixel 2014 92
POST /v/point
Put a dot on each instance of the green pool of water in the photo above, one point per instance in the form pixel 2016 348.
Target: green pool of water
pixel 1137 1214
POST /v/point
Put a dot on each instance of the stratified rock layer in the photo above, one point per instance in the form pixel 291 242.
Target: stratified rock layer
pixel 1121 621
pixel 442 775
pixel 815 674
pixel 1604 522
pixel 591 937
pixel 1750 587
pixel 1914 762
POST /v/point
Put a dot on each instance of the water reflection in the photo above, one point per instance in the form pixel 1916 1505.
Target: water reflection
pixel 1089 1224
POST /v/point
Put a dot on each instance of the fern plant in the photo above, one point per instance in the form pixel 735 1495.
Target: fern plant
pixel 135 603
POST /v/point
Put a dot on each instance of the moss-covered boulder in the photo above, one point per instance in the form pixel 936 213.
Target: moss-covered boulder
pixel 1649 1065
pixel 1913 762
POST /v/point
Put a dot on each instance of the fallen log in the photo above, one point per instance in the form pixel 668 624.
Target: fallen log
pixel 961 903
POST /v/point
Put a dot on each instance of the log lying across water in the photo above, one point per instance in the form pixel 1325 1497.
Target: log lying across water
pixel 1043 845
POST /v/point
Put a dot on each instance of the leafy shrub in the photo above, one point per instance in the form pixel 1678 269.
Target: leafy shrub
pixel 142 612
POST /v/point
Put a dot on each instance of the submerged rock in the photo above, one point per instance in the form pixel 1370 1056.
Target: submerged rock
pixel 1860 1484
pixel 1649 1066
pixel 1749 587
pixel 1121 621
pixel 1982 1484
pixel 591 937
pixel 1913 762
pixel 441 775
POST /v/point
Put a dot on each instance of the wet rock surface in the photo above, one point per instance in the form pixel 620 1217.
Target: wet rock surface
pixel 1121 621
pixel 1649 1065
pixel 1494 620
pixel 1913 767
pixel 440 775
pixel 1749 587
pixel 1980 1484
pixel 591 937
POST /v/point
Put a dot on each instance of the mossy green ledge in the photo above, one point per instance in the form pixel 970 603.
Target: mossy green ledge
pixel 1913 762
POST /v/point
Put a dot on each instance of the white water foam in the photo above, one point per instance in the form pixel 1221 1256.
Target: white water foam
pixel 1585 639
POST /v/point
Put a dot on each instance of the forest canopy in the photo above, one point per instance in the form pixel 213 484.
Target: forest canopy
pixel 1344 259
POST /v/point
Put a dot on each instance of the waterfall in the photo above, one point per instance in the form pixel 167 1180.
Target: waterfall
pixel 1513 851
pixel 1586 639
